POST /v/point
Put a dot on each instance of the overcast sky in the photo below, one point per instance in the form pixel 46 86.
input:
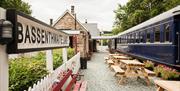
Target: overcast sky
pixel 95 11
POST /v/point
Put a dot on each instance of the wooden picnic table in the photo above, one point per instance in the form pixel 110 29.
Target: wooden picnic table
pixel 114 54
pixel 116 59
pixel 167 85
pixel 120 57
pixel 111 55
pixel 134 68
pixel 132 63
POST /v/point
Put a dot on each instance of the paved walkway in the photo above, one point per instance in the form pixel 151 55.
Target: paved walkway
pixel 100 78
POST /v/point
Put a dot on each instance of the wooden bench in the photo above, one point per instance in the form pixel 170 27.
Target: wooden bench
pixel 164 85
pixel 119 73
pixel 149 72
pixel 110 62
pixel 80 86
pixel 58 85
pixel 106 58
pixel 83 86
pixel 118 70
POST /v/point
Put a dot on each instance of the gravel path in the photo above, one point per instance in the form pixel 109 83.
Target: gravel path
pixel 100 77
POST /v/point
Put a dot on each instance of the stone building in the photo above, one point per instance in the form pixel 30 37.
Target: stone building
pixel 80 42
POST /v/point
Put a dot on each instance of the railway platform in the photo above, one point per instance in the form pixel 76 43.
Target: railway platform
pixel 101 78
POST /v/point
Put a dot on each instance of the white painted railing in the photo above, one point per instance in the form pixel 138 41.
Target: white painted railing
pixel 46 83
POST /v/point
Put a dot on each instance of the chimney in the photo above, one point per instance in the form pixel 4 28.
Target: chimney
pixel 86 21
pixel 51 22
pixel 72 10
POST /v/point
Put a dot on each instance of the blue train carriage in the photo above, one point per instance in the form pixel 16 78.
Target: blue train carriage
pixel 156 39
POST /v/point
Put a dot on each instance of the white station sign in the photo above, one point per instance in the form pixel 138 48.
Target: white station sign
pixel 30 34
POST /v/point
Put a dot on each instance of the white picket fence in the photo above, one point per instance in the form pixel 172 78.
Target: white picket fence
pixel 46 83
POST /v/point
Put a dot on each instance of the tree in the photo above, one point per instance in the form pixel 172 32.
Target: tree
pixel 138 11
pixel 17 4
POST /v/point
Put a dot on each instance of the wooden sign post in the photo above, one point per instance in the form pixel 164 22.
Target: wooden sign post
pixel 4 72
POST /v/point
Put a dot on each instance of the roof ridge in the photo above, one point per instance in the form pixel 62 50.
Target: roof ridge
pixel 67 11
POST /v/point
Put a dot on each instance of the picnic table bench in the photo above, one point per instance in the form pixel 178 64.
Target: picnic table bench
pixel 110 62
pixel 106 58
pixel 167 85
pixel 149 72
pixel 121 57
pixel 111 55
pixel 118 70
pixel 135 68
pixel 72 84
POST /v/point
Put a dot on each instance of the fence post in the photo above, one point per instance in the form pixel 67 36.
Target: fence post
pixel 49 60
pixel 64 55
pixel 4 72
pixel 49 56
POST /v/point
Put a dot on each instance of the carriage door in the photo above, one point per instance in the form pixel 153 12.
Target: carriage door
pixel 115 43
pixel 178 43
pixel 177 37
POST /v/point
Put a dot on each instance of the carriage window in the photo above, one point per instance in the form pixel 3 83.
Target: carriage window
pixel 157 34
pixel 134 37
pixel 137 37
pixel 119 40
pixel 166 32
pixel 130 38
pixel 141 37
pixel 127 39
pixel 123 39
pixel 148 36
pixel 152 36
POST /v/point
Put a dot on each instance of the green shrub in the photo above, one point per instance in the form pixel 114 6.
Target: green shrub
pixel 40 56
pixel 57 58
pixel 158 70
pixel 149 65
pixel 24 72
pixel 105 42
pixel 71 53
pixel 167 73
